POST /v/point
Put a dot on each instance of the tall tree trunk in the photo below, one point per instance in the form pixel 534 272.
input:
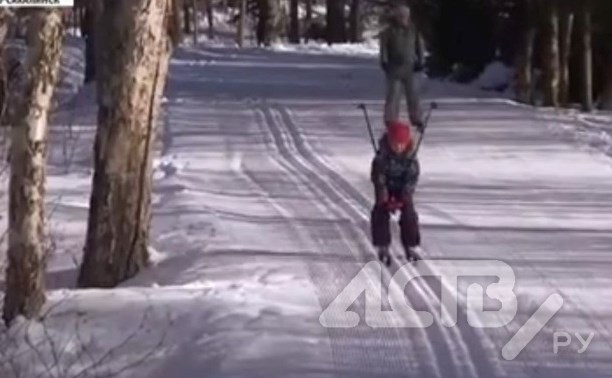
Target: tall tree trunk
pixel 263 13
pixel 211 19
pixel 551 53
pixel 308 12
pixel 524 62
pixel 25 282
pixel 355 22
pixel 335 21
pixel 136 53
pixel 605 102
pixel 276 18
pixel 566 24
pixel 186 17
pixel 242 22
pixel 4 28
pixel 586 88
pixel 269 17
pixel 196 26
pixel 294 32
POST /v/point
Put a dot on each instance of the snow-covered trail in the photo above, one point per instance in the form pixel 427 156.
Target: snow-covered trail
pixel 315 222
pixel 261 206
pixel 499 182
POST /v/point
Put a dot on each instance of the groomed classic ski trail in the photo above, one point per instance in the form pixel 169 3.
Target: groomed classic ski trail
pixel 275 155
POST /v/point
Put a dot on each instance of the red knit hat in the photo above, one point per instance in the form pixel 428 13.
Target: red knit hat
pixel 399 132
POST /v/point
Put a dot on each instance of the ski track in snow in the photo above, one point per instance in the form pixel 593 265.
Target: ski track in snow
pixel 480 231
pixel 462 344
pixel 285 141
pixel 261 207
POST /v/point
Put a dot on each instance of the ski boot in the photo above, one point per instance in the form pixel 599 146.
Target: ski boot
pixel 411 254
pixel 384 256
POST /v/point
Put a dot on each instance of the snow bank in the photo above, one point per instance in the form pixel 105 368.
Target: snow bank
pixel 368 48
pixel 496 76
pixel 593 130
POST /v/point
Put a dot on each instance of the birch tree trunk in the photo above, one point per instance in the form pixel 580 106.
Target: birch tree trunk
pixel 25 282
pixel 135 57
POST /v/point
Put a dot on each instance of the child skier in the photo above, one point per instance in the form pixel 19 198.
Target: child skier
pixel 395 174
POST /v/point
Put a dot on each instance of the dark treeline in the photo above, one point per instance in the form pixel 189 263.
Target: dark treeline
pixel 560 49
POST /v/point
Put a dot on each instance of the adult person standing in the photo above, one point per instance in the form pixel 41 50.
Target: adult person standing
pixel 398 42
pixel 88 28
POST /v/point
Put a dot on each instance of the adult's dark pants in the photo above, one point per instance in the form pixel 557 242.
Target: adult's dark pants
pixel 408 224
pixel 400 87
pixel 90 59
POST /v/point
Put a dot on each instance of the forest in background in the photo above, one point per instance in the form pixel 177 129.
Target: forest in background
pixel 560 49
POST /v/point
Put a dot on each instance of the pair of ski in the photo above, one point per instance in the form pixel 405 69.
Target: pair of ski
pixel 384 255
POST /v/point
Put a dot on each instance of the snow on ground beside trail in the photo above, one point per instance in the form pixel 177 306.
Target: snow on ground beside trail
pixel 592 130
pixel 225 27
pixel 368 48
pixel 74 31
pixel 495 76
pixel 150 330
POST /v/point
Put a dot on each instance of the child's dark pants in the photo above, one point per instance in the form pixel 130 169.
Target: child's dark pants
pixel 408 223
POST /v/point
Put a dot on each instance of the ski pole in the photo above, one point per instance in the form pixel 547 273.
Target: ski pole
pixel 367 119
pixel 433 106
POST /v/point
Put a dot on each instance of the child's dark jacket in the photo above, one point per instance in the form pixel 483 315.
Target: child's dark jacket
pixel 394 174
